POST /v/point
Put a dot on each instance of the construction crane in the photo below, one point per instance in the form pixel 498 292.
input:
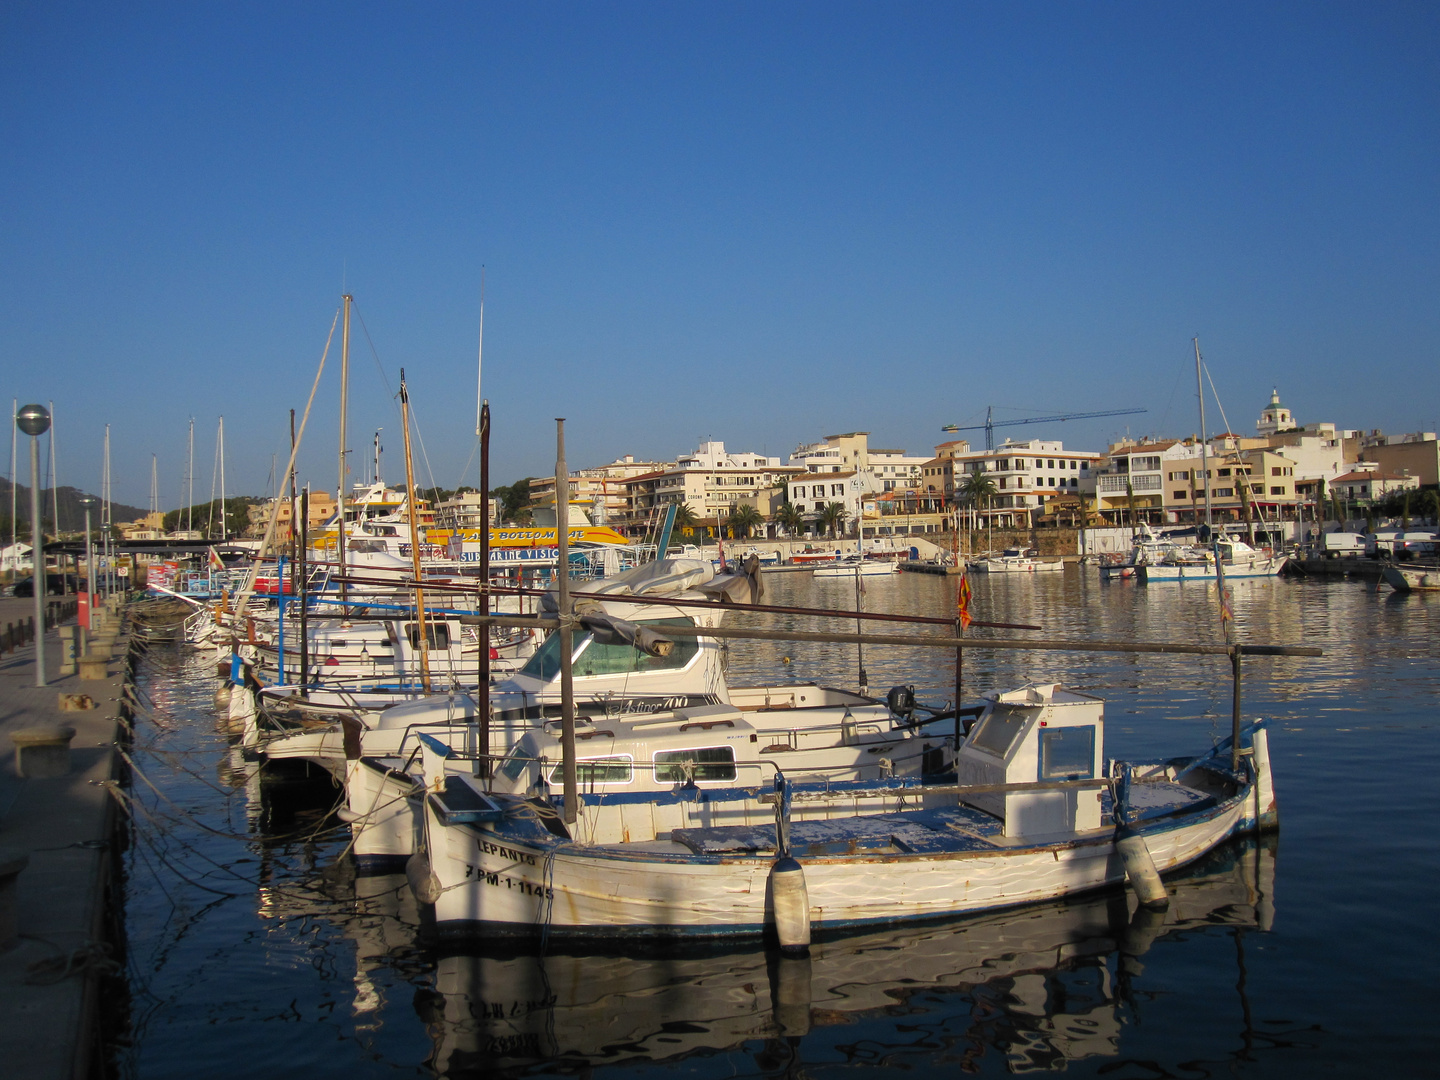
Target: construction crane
pixel 989 426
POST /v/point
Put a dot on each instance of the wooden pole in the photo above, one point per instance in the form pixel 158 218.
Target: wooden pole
pixel 421 636
pixel 567 639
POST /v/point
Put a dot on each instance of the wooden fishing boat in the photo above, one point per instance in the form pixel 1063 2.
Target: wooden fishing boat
pixel 1034 813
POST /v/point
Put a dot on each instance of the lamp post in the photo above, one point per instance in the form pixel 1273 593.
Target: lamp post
pixel 34 420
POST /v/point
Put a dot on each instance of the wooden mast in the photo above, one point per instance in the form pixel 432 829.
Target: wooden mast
pixel 421 636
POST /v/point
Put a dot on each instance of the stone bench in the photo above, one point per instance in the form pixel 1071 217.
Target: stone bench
pixel 42 750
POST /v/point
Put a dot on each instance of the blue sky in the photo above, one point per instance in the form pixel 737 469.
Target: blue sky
pixel 760 223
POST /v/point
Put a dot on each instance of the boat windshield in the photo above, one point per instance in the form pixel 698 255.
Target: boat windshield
pixel 593 658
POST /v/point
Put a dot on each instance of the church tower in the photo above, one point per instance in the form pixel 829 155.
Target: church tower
pixel 1275 417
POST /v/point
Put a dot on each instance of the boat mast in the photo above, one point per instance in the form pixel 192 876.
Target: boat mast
pixel 1204 452
pixel 344 400
pixel 566 631
pixel 220 442
pixel 480 357
pixel 14 429
pixel 190 480
pixel 413 513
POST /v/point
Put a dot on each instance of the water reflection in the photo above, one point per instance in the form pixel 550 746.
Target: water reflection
pixel 1036 986
pixel 251 940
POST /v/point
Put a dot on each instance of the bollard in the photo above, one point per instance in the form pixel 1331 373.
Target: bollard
pixel 11 863
pixel 94 668
pixel 42 751
pixel 67 650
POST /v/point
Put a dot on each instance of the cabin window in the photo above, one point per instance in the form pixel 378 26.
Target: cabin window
pixel 1067 753
pixel 592 658
pixel 707 763
pixel 514 764
pixel 997 731
pixel 436 634
pixel 606 770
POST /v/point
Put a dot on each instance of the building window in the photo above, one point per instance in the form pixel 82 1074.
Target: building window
pixel 1275 471
pixel 1179 496
pixel 1277 491
pixel 1224 493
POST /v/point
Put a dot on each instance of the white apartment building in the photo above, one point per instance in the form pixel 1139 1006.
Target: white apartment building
pixel 603 491
pixel 712 482
pixel 893 470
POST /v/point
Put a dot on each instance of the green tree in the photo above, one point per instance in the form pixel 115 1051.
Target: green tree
pixel 977 490
pixel 514 500
pixel 832 517
pixel 685 519
pixel 743 519
pixel 789 519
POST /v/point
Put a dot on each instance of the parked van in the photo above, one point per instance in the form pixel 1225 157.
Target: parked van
pixel 1337 545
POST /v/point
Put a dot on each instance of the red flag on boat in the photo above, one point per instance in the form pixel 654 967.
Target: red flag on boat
pixel 962 601
pixel 215 561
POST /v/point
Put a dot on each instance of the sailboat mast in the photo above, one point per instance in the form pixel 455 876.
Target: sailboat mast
pixel 568 769
pixel 190 480
pixel 220 440
pixel 413 513
pixel 54 484
pixel 1204 451
pixel 344 404
pixel 480 356
pixel 14 429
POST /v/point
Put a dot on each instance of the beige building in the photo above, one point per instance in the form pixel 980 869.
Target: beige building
pixel 604 491
pixel 711 482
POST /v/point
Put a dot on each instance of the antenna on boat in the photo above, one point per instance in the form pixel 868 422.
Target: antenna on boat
pixel 480 355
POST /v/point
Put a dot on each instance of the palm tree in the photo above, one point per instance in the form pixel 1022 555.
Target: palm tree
pixel 832 517
pixel 789 519
pixel 977 489
pixel 685 519
pixel 743 518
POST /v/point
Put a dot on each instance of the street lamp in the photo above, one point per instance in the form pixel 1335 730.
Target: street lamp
pixel 34 420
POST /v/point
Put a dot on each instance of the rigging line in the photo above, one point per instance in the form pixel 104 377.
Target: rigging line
pixel 373 352
pixel 308 834
pixel 1216 394
pixel 248 588
pixel 415 421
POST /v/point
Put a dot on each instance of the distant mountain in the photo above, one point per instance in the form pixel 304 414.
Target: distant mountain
pixel 72 514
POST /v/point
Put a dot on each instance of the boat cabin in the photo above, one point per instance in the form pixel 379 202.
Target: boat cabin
pixel 1036 734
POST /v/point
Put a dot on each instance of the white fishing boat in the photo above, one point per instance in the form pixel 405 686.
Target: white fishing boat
pixel 1412 577
pixel 852 565
pixel 515 1009
pixel 1238 560
pixel 1015 561
pixel 715 842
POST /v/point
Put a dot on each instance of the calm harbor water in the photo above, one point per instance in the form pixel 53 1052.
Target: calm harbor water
pixel 252 949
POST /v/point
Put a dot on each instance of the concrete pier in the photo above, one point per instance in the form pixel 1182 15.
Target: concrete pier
pixel 58 829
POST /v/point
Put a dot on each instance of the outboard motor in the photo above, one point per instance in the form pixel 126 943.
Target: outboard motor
pixel 901 701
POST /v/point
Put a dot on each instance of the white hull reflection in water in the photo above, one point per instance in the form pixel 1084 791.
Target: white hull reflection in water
pixel 247 938
pixel 1056 983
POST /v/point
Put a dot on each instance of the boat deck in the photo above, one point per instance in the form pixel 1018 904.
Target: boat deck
pixel 932 831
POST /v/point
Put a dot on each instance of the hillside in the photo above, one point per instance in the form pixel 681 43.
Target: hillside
pixel 72 514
